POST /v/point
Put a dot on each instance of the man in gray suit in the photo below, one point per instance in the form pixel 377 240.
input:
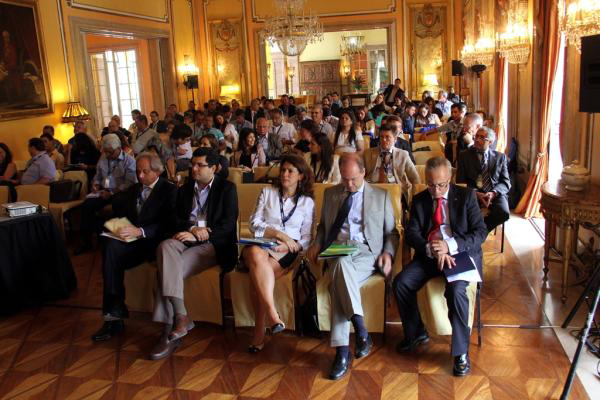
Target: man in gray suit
pixel 354 212
pixel 269 141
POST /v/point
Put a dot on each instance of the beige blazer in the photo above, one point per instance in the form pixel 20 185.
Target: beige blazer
pixel 378 218
pixel 405 171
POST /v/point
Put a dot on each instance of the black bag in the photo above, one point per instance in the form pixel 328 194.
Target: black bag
pixel 65 190
pixel 305 287
pixel 247 177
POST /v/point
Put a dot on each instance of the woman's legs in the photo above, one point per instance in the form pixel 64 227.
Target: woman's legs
pixel 264 270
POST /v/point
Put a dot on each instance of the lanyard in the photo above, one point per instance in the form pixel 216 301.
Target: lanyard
pixel 285 218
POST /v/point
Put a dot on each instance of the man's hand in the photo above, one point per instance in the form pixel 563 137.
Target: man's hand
pixel 201 234
pixel 384 262
pixel 129 232
pixel 482 197
pixel 439 247
pixel 96 188
pixel 489 196
pixel 445 260
pixel 105 194
pixel 312 254
pixel 185 237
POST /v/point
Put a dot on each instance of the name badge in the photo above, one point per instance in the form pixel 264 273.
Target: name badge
pixel 479 182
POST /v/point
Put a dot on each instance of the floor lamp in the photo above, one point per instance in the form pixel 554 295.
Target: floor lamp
pixel 478 69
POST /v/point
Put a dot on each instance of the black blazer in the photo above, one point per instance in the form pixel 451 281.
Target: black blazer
pixel 469 168
pixel 405 145
pixel 157 214
pixel 248 115
pixel 222 215
pixel 288 111
pixel 468 228
pixel 388 90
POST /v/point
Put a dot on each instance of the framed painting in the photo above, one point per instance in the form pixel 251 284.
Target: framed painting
pixel 24 80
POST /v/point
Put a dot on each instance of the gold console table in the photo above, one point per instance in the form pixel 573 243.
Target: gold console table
pixel 566 209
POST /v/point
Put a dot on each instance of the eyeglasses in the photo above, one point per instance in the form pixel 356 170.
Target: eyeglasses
pixel 200 165
pixel 482 138
pixel 442 185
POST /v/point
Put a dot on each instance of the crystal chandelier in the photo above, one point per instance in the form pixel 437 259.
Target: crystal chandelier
pixel 513 43
pixel 352 45
pixel 481 53
pixel 581 18
pixel 291 29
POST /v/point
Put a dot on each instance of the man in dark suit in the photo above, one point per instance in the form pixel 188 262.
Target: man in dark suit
pixel 150 206
pixel 486 171
pixel 254 112
pixel 206 222
pixel 288 109
pixel 393 92
pixel 444 220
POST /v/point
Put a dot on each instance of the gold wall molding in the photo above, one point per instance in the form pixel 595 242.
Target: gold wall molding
pixel 90 6
pixel 376 7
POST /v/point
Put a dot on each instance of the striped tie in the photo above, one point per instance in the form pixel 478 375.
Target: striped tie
pixel 485 175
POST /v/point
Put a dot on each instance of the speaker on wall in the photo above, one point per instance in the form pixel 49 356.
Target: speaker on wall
pixel 191 82
pixel 457 68
pixel 589 84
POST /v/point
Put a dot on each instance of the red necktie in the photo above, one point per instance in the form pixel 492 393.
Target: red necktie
pixel 437 219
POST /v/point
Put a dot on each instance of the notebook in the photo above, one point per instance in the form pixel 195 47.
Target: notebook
pixel 267 243
pixel 113 225
pixel 338 250
pixel 464 270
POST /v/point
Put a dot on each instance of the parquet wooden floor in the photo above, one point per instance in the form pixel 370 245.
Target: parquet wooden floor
pixel 46 353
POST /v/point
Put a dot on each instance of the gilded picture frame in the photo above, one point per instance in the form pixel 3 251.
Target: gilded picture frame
pixel 24 78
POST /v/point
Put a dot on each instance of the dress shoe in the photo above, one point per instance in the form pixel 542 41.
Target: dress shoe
pixel 363 346
pixel 462 365
pixel 108 330
pixel 277 328
pixel 408 344
pixel 183 324
pixel 255 348
pixel 164 347
pixel 340 366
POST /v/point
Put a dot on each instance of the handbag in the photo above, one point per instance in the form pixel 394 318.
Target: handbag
pixel 64 190
pixel 305 288
pixel 247 177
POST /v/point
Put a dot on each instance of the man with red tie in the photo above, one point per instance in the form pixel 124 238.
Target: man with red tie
pixel 444 220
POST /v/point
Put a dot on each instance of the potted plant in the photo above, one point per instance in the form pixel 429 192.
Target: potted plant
pixel 357 82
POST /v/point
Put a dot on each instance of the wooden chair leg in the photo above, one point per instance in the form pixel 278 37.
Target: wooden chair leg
pixel 479 325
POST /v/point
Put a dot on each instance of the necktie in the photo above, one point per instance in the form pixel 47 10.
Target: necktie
pixel 385 160
pixel 340 218
pixel 485 175
pixel 437 219
pixel 143 197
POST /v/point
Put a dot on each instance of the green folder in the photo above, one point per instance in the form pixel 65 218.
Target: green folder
pixel 338 250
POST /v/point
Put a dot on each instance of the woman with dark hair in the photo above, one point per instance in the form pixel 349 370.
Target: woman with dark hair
pixel 430 101
pixel 249 154
pixel 308 129
pixel 209 140
pixel 322 160
pixel 346 139
pixel 425 117
pixel 228 130
pixel 364 122
pixel 8 169
pixel 284 213
pixel 84 155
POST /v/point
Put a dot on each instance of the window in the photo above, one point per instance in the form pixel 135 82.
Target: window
pixel 116 85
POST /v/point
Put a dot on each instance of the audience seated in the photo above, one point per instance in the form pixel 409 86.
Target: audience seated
pixel 323 161
pixel 154 120
pixel 317 116
pixel 114 126
pixel 444 220
pixel 181 146
pixel 206 222
pixel 443 104
pixel 209 141
pixel 254 112
pixel 115 173
pixel 425 117
pixel 346 139
pixel 228 130
pixel 283 130
pixel 8 169
pixel 453 129
pixel 393 92
pixel 150 207
pixel 209 128
pixel 364 123
pixel 268 140
pixel 53 153
pixel 336 104
pixel 471 124
pixel 486 171
pixel 239 121
pixel 144 134
pixel 307 130
pixel 345 106
pixel 286 107
pixel 300 116
pixel 344 219
pixel 49 129
pixel 409 120
pixel 379 106
pixel 400 142
pixel 250 153
pixel 83 154
pixel 285 213
pixel 40 168
pixel 133 128
pixel 389 164
pixel 431 103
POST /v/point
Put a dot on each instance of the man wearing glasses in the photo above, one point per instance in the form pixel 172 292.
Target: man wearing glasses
pixel 486 171
pixel 206 217
pixel 444 220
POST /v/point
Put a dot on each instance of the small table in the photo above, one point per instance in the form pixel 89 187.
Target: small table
pixel 566 209
pixel 34 264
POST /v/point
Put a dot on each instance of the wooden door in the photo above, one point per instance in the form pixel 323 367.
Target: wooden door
pixel 320 77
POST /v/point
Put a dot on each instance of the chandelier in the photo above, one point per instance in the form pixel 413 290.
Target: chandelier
pixel 291 30
pixel 581 18
pixel 513 43
pixel 352 45
pixel 481 53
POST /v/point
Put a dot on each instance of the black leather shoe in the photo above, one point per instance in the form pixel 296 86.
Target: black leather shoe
pixel 407 344
pixel 462 365
pixel 340 367
pixel 363 346
pixel 108 330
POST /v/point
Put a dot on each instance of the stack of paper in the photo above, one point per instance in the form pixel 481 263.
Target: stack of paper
pixel 464 270
pixel 113 225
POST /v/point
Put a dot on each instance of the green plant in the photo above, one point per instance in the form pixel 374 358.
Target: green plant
pixel 358 81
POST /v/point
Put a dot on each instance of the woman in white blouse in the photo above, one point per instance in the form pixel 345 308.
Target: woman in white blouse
pixel 346 139
pixel 284 212
pixel 322 160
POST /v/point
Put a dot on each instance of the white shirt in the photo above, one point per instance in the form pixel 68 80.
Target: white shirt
pixel 267 214
pixel 285 131
pixel 445 232
pixel 198 215
pixel 352 229
pixel 343 144
pixel 151 187
pixel 188 150
pixel 231 135
pixel 326 128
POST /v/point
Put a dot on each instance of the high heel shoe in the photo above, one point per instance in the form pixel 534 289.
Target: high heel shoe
pixel 255 348
pixel 277 328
